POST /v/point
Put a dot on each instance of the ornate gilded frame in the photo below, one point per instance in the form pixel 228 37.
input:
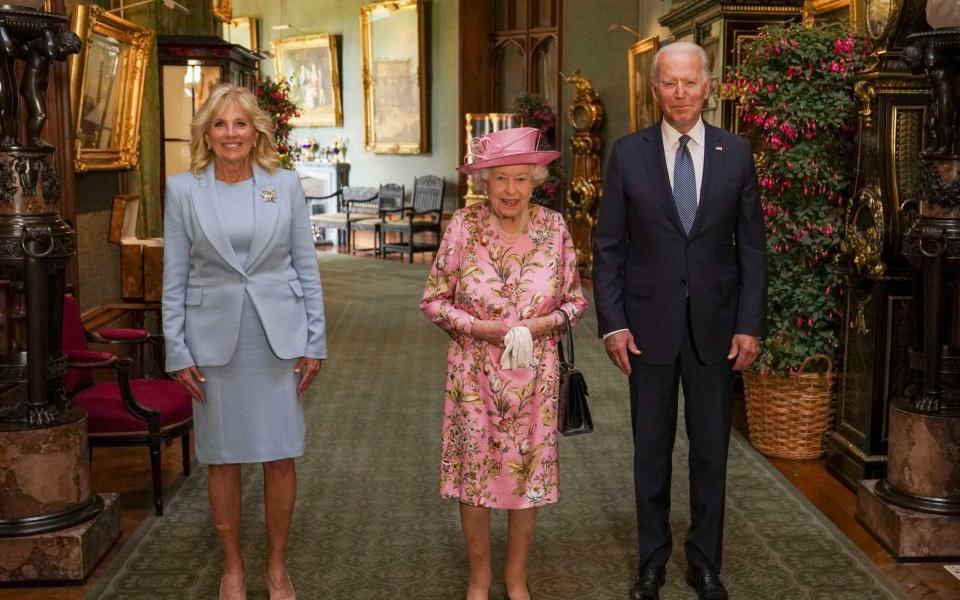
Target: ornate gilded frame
pixel 223 10
pixel 822 7
pixel 640 55
pixel 311 53
pixel 122 151
pixel 245 27
pixel 376 107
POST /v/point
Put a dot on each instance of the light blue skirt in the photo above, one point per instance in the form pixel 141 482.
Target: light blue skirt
pixel 252 412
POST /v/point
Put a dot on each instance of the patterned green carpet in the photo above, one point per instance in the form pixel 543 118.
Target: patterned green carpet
pixel 369 523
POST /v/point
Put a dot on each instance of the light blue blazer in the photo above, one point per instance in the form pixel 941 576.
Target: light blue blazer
pixel 204 282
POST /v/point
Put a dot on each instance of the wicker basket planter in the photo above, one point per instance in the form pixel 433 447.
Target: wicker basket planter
pixel 789 416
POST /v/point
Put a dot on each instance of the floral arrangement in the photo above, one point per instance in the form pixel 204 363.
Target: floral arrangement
pixel 274 97
pixel 534 111
pixel 795 89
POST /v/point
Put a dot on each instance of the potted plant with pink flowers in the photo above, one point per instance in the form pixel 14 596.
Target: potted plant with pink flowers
pixel 535 111
pixel 795 90
pixel 273 96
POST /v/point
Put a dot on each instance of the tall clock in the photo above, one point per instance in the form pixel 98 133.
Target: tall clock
pixel 879 313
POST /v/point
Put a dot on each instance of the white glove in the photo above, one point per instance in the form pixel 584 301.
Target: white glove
pixel 518 350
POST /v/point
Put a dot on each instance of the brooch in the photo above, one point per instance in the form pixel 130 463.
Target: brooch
pixel 268 195
pixel 539 236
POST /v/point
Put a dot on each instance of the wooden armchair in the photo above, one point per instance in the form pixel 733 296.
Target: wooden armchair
pixel 125 411
pixel 352 204
pixel 389 199
pixel 422 216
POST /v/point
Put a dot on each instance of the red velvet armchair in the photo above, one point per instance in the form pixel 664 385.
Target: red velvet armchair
pixel 125 411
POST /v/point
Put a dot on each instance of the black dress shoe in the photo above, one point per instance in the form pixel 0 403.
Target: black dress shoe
pixel 707 583
pixel 648 583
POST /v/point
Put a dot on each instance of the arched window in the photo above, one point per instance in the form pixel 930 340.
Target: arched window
pixel 526 51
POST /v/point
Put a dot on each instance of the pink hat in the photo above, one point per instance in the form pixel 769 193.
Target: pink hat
pixel 516 146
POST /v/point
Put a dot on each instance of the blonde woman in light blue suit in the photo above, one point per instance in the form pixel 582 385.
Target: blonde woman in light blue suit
pixel 243 318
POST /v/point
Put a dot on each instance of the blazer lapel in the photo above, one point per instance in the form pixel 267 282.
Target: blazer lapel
pixel 713 159
pixel 656 167
pixel 207 208
pixel 266 210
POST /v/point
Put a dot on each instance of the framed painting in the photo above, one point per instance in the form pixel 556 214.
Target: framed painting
pixel 643 108
pixel 309 63
pixel 243 32
pixel 223 10
pixel 394 78
pixel 106 89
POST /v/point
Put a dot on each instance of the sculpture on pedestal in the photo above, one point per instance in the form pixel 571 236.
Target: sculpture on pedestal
pixel 35 249
pixel 915 510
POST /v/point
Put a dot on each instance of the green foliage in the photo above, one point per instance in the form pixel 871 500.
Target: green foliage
pixel 274 97
pixel 534 111
pixel 796 99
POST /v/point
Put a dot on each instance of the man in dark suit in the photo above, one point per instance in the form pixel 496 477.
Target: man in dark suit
pixel 679 272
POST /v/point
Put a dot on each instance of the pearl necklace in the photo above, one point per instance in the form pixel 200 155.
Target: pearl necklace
pixel 521 226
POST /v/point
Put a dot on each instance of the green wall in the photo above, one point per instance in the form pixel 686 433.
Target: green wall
pixel 342 17
pixel 601 56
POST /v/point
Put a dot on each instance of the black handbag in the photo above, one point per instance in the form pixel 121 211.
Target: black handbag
pixel 573 414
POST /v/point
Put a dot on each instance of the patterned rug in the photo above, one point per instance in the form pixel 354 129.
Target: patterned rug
pixel 369 524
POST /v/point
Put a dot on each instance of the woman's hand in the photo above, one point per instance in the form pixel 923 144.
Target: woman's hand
pixel 191 378
pixel 492 332
pixel 539 327
pixel 307 369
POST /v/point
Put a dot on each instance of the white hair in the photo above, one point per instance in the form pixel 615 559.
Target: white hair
pixel 481 178
pixel 680 48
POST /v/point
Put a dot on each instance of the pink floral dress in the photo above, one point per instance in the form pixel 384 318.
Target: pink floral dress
pixel 499 447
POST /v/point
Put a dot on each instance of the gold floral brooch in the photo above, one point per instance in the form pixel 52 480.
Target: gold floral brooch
pixel 268 195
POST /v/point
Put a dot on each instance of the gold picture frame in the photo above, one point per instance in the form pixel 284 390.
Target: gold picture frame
pixel 223 10
pixel 394 77
pixel 644 110
pixel 825 7
pixel 242 31
pixel 309 63
pixel 106 89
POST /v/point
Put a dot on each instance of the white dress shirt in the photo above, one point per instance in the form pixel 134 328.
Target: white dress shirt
pixel 671 142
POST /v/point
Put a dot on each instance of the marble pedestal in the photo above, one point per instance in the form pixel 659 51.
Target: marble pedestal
pixel 52 526
pixel 65 555
pixel 908 535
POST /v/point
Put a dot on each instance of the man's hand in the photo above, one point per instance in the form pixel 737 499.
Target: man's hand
pixel 307 369
pixel 191 378
pixel 745 349
pixel 491 332
pixel 618 346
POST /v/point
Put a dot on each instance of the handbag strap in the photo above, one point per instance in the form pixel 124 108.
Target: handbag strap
pixel 566 322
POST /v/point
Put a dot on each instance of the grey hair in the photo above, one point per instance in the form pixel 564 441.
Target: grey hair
pixel 680 48
pixel 481 178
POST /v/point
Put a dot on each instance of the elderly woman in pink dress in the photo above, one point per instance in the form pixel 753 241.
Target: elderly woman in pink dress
pixel 504 272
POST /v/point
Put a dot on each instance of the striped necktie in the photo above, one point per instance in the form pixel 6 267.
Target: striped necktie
pixel 685 185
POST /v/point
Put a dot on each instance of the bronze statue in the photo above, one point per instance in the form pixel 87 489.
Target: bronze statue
pixel 39 54
pixel 943 118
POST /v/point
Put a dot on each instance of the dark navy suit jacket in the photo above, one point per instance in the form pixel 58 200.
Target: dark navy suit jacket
pixel 645 267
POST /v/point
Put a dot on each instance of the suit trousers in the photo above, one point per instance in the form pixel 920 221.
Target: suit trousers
pixel 653 408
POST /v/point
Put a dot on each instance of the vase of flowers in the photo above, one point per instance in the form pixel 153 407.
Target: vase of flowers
pixel 274 97
pixel 534 111
pixel 795 90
